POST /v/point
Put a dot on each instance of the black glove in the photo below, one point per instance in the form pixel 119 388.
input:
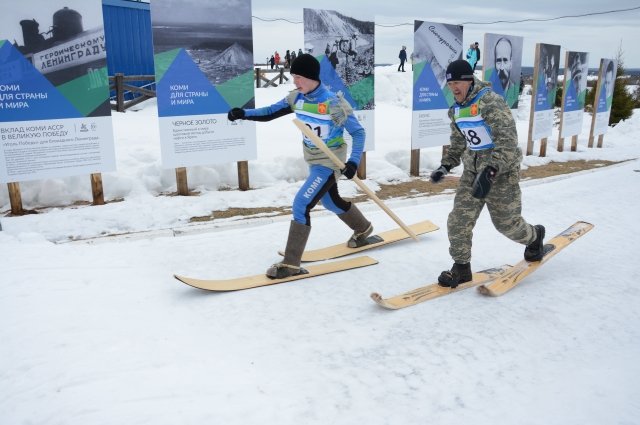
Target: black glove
pixel 235 114
pixel 482 183
pixel 349 169
pixel 439 173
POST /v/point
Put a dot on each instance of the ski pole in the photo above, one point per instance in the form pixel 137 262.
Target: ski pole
pixel 320 145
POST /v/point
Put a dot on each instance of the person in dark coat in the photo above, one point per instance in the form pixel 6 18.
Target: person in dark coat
pixel 403 58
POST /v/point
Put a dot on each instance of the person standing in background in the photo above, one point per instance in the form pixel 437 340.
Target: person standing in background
pixel 477 45
pixel 276 56
pixel 472 56
pixel 403 58
pixel 287 59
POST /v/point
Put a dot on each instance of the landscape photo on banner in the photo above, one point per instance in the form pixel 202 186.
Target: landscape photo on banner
pixel 203 58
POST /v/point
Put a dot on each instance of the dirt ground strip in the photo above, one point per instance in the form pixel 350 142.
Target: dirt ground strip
pixel 419 187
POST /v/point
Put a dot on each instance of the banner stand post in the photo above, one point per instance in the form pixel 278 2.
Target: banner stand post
pixel 181 181
pixel 362 168
pixel 414 167
pixel 15 199
pixel 96 189
pixel 243 175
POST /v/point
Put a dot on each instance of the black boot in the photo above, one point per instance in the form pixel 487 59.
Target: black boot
pixel 361 227
pixel 535 250
pixel 290 265
pixel 459 273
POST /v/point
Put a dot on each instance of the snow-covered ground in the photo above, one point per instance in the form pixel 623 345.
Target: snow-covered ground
pixel 99 332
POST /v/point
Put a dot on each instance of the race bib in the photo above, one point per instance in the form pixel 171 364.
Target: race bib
pixel 476 134
pixel 320 130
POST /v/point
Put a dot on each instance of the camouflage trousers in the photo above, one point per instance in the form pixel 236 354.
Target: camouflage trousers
pixel 505 207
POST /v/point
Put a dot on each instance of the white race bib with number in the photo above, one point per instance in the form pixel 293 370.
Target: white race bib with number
pixel 320 130
pixel 476 133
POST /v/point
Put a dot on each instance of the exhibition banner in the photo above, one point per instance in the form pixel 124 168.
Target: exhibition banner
pixel 344 46
pixel 502 65
pixel 203 54
pixel 435 46
pixel 55 115
pixel 545 85
pixel 604 96
pixel 576 71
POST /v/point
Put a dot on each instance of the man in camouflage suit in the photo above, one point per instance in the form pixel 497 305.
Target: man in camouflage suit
pixel 484 138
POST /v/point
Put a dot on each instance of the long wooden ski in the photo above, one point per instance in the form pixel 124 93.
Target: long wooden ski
pixel 512 277
pixel 429 292
pixel 248 282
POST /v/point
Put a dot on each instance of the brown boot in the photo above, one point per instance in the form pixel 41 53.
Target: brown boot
pixel 361 227
pixel 290 264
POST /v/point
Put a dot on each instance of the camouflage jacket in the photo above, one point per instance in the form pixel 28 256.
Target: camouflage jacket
pixel 504 155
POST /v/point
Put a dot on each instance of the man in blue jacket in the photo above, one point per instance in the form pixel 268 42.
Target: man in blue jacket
pixel 328 115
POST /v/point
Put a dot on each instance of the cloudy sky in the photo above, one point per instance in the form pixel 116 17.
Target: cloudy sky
pixel 600 35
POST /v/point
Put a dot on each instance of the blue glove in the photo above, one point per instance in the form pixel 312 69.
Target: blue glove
pixel 235 114
pixel 482 183
pixel 439 173
pixel 349 170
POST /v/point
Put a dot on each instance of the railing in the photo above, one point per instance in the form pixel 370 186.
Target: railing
pixel 139 94
pixel 260 75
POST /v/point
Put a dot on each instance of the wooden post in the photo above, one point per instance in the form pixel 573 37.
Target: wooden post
pixel 96 189
pixel 181 181
pixel 574 143
pixel 534 91
pixel 119 92
pixel 595 104
pixel 362 168
pixel 320 145
pixel 567 75
pixel 414 167
pixel 281 75
pixel 600 140
pixel 257 78
pixel 243 175
pixel 543 147
pixel 15 199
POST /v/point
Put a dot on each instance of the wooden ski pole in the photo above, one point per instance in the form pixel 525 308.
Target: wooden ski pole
pixel 320 145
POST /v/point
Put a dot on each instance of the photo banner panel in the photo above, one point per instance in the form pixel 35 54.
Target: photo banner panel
pixel 344 46
pixel 55 114
pixel 604 96
pixel 545 86
pixel 502 65
pixel 576 71
pixel 203 55
pixel 436 45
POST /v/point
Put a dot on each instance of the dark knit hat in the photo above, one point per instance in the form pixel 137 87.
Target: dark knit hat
pixel 307 66
pixel 459 70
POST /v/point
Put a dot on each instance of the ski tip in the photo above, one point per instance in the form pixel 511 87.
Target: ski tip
pixel 382 302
